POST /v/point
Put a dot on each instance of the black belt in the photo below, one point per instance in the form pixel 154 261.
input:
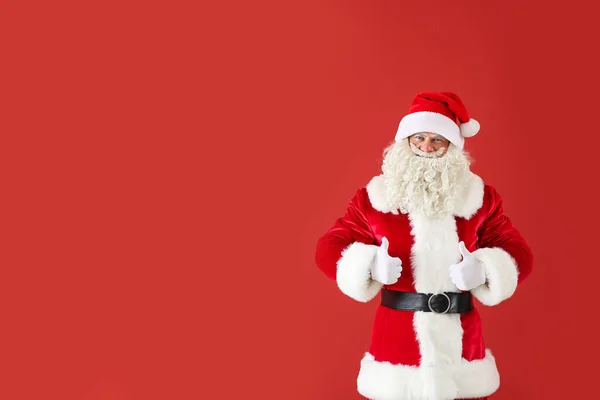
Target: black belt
pixel 439 303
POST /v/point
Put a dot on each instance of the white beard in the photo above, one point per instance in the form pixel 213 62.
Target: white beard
pixel 428 184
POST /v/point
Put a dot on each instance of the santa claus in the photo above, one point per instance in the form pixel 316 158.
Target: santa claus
pixel 429 235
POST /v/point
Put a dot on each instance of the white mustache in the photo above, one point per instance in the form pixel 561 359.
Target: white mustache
pixel 433 154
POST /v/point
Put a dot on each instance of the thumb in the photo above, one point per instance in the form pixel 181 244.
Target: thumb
pixel 463 250
pixel 384 243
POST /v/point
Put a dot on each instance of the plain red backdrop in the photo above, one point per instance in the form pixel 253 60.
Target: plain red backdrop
pixel 167 168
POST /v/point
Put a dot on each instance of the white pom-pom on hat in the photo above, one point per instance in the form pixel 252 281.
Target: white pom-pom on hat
pixel 470 128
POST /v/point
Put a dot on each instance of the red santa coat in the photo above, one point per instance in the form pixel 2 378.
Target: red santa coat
pixel 423 355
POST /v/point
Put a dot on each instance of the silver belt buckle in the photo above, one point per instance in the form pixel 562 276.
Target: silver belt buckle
pixel 431 298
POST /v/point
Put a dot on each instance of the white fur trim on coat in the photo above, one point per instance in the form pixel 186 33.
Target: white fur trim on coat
pixel 469 203
pixel 354 272
pixel 439 336
pixel 471 199
pixel 502 276
pixel 466 379
pixel 376 192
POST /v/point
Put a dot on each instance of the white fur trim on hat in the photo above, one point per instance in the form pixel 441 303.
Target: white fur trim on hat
pixel 427 121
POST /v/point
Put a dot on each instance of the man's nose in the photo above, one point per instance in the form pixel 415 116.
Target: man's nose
pixel 426 147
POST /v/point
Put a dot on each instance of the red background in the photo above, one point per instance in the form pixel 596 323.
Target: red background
pixel 167 168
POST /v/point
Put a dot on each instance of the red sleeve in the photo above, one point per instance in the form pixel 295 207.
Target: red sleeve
pixel 498 231
pixel 352 227
pixel 503 252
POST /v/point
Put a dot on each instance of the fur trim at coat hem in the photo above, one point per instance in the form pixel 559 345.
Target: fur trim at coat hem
pixel 468 379
pixel 354 272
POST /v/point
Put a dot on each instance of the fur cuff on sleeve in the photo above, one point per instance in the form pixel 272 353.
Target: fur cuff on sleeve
pixel 501 276
pixel 354 272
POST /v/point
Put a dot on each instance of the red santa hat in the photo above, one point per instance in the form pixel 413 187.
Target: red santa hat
pixel 442 113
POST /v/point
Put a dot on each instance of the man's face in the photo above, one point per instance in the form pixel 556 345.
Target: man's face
pixel 429 142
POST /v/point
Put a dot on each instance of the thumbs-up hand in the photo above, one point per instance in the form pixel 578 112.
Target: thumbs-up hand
pixel 386 269
pixel 469 273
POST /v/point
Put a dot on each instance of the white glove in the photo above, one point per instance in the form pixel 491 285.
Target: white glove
pixel 469 273
pixel 385 269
